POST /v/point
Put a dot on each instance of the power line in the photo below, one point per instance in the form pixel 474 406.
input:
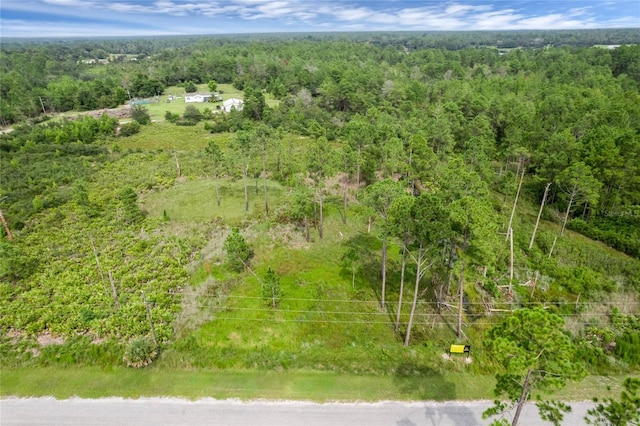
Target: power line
pixel 283 311
pixel 377 302
pixel 330 321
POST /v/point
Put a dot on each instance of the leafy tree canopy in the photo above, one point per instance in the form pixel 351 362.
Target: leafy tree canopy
pixel 534 353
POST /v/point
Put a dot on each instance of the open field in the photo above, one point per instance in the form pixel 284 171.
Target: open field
pixel 167 136
pixel 195 201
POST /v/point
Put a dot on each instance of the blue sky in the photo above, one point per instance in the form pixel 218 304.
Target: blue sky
pixel 92 18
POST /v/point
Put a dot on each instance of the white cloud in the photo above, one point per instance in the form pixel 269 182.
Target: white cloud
pixel 623 22
pixel 54 29
pixel 497 20
pixel 555 21
pixel 274 9
pixel 458 9
pixel 577 11
pixel 68 3
pixel 125 7
pixel 191 16
pixel 355 14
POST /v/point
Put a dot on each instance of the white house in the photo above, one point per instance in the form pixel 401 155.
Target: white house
pixel 232 103
pixel 197 97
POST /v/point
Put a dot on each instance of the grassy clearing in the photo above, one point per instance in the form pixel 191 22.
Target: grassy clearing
pixel 292 385
pixel 164 135
pixel 195 201
pixel 324 322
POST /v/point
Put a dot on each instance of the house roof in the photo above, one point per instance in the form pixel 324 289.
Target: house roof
pixel 232 101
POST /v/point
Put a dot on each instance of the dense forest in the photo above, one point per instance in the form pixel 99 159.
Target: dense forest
pixel 473 172
pixel 61 75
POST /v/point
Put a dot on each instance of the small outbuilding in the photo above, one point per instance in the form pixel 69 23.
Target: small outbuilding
pixel 232 103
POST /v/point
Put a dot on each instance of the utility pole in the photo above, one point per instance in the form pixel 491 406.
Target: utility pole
pixel 153 330
pixel 460 297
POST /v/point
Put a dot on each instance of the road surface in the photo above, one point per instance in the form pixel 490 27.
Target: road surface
pixel 171 411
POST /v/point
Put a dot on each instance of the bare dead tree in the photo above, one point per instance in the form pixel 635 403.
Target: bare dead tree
pixel 6 226
pixel 510 231
pixel 535 228
pixel 95 255
pixel 113 290
pixel 175 156
pixel 515 201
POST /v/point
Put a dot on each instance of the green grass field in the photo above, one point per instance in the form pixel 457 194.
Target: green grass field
pixel 86 382
pixel 164 135
pixel 195 200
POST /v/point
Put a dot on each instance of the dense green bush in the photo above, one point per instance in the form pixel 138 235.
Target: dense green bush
pixel 237 250
pixel 129 129
pixel 140 352
pixel 623 239
pixel 192 114
pixel 190 87
pixel 628 347
pixel 140 114
pixel 171 117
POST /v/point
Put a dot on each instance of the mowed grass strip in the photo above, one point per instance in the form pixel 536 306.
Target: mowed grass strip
pixel 88 382
pixel 290 385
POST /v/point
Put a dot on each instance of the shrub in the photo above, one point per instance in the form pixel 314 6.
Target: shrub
pixel 140 114
pixel 171 117
pixel 271 288
pixel 628 348
pixel 139 353
pixel 129 129
pixel 237 250
pixel 207 114
pixel 190 87
pixel 192 113
pixel 129 200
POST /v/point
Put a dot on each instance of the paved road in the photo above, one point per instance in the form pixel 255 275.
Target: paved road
pixel 169 411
